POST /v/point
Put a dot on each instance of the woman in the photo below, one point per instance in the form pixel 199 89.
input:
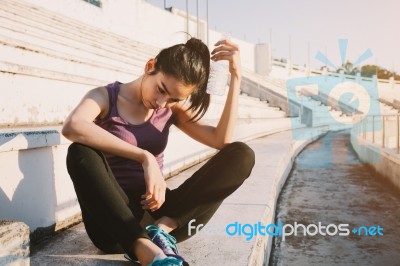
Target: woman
pixel 119 133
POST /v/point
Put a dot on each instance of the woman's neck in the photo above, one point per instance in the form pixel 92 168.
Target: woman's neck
pixel 131 91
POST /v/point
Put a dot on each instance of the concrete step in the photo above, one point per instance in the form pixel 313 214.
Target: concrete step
pixel 257 113
pixel 30 86
pixel 323 114
pixel 98 48
pixel 25 14
pixel 14 243
pixel 58 63
pixel 249 107
pixel 12 37
pixel 328 120
pixel 8 67
pixel 72 55
pixel 246 111
pixel 316 107
pixel 244 100
pixel 268 81
pixel 62 23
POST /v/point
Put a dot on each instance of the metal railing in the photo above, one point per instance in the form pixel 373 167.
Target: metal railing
pixel 383 130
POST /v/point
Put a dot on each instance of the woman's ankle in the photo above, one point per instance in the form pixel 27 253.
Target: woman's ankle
pixel 166 223
pixel 146 251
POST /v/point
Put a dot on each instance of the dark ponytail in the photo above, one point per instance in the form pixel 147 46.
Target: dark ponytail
pixel 190 64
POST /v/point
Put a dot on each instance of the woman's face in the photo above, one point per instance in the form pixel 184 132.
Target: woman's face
pixel 161 90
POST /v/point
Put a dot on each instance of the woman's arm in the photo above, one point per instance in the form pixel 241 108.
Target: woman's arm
pixel 79 127
pixel 220 135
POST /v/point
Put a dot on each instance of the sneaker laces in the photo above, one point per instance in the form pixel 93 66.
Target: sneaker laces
pixel 162 239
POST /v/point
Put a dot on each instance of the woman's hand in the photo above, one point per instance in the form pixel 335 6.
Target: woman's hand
pixel 155 184
pixel 227 50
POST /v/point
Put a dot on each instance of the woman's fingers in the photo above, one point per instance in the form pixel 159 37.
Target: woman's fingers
pixel 152 205
pixel 156 199
pixel 225 42
pixel 147 203
pixel 226 55
pixel 225 51
pixel 225 48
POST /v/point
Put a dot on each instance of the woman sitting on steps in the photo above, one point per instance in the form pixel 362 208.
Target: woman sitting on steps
pixel 119 133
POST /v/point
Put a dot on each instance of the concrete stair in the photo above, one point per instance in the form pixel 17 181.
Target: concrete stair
pixel 45 50
pixel 249 107
pixel 68 41
pixel 14 243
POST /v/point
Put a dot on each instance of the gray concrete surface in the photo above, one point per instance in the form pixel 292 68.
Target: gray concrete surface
pixel 211 246
pixel 14 243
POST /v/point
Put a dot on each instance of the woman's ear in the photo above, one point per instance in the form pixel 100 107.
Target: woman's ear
pixel 150 66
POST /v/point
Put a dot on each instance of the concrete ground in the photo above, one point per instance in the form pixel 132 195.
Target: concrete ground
pixel 211 246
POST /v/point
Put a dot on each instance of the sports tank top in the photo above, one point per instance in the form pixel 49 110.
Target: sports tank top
pixel 151 135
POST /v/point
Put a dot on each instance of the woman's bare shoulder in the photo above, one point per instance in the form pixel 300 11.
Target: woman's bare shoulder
pixel 99 96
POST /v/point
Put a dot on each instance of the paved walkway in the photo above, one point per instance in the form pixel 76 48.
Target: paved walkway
pixel 251 203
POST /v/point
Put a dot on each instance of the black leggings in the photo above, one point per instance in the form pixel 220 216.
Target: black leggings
pixel 111 215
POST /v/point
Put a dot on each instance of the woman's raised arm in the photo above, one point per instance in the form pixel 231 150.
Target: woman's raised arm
pixel 221 134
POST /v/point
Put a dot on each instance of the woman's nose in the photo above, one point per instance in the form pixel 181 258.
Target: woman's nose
pixel 161 103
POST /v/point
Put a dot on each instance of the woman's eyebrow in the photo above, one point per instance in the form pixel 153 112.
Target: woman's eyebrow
pixel 165 88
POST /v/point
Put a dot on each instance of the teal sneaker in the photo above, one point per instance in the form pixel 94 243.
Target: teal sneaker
pixel 168 261
pixel 165 242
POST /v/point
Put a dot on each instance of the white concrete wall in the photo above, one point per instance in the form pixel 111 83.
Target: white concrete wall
pixel 385 161
pixel 31 168
pixel 263 59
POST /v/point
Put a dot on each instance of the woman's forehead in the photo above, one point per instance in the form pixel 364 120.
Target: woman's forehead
pixel 175 86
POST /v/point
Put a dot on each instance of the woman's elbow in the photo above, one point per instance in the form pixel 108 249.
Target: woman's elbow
pixel 220 145
pixel 68 129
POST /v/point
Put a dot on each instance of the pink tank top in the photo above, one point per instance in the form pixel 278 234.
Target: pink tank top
pixel 152 136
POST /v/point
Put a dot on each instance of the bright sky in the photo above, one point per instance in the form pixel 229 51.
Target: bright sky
pixel 366 24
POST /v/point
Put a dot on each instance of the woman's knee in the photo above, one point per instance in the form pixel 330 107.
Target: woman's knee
pixel 242 154
pixel 80 156
pixel 77 151
pixel 240 159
